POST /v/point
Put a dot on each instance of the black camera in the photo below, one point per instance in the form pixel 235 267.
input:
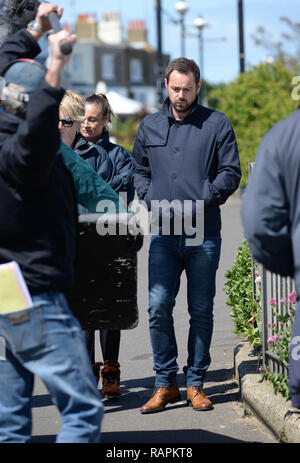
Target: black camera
pixel 20 7
pixel 15 15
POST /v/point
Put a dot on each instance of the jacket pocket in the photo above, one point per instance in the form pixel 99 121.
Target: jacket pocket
pixel 192 188
pixel 148 196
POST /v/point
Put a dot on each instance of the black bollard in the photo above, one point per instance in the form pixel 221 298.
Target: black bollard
pixel 104 293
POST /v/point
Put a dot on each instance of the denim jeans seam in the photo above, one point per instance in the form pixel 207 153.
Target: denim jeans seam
pixel 74 350
pixel 161 384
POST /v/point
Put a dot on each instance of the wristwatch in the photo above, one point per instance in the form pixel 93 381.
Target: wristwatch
pixel 33 26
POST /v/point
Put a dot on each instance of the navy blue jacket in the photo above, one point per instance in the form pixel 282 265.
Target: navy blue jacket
pixel 271 215
pixel 96 157
pixel 193 159
pixel 38 207
pixel 123 178
pixel 112 162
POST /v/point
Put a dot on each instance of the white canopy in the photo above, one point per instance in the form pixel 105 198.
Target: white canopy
pixel 123 106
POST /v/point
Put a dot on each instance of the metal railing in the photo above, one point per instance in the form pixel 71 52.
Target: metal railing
pixel 267 286
pixel 270 286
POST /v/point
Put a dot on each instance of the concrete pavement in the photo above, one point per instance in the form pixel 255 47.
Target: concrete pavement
pixel 123 423
pixel 272 409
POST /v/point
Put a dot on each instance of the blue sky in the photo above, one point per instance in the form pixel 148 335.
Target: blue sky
pixel 221 58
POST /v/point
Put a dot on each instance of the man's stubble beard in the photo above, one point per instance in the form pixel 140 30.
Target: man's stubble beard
pixel 181 106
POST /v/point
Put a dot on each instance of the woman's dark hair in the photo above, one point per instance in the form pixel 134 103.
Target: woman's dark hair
pixel 184 66
pixel 101 100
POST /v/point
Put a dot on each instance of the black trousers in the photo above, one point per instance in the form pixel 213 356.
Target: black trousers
pixel 109 342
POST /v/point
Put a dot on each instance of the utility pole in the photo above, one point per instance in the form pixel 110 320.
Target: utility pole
pixel 159 56
pixel 182 8
pixel 241 35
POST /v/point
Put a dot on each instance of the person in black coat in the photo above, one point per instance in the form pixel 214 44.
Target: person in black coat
pixel 38 231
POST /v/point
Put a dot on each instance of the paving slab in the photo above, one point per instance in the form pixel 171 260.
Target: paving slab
pixel 123 423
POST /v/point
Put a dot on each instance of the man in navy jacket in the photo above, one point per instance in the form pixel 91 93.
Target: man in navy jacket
pixel 271 218
pixel 186 155
pixel 38 230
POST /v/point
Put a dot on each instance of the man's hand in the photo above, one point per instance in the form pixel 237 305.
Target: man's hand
pixel 57 59
pixel 42 20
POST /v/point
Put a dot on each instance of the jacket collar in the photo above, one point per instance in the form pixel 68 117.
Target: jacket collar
pixel 81 144
pixel 104 140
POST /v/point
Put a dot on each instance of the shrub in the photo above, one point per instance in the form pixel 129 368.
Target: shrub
pixel 246 317
pixel 254 102
pixel 279 343
pixel 238 287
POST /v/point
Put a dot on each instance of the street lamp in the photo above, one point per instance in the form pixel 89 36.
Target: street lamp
pixel 241 35
pixel 159 56
pixel 200 23
pixel 182 8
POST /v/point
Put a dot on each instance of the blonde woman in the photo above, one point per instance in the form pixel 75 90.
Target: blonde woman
pixel 71 114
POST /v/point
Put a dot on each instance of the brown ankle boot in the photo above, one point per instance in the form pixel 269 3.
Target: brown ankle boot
pixel 110 376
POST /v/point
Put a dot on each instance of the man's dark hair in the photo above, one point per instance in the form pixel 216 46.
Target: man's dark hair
pixel 184 66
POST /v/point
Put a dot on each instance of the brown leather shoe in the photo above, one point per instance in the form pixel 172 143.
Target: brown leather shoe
pixel 197 399
pixel 160 398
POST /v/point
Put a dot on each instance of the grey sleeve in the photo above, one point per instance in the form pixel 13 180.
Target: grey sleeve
pixel 265 211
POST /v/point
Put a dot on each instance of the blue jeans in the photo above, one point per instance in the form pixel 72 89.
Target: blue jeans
pixel 168 257
pixel 47 341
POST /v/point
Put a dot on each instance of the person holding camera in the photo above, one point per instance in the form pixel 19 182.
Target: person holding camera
pixel 38 230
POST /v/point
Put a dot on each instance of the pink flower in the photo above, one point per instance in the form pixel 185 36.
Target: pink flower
pixel 292 297
pixel 272 338
pixel 272 301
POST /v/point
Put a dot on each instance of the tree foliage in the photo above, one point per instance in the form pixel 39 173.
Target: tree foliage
pixel 254 102
pixel 285 41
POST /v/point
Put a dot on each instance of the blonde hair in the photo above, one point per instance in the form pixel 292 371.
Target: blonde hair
pixel 73 106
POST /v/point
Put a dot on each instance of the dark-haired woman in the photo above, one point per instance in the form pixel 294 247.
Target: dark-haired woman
pixel 94 137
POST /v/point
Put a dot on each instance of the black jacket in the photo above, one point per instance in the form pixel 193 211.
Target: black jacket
pixel 38 207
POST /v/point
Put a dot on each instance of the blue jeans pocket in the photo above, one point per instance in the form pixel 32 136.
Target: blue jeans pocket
pixel 24 330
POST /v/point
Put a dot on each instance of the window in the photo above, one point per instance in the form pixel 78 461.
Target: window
pixel 76 64
pixel 136 70
pixel 108 67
